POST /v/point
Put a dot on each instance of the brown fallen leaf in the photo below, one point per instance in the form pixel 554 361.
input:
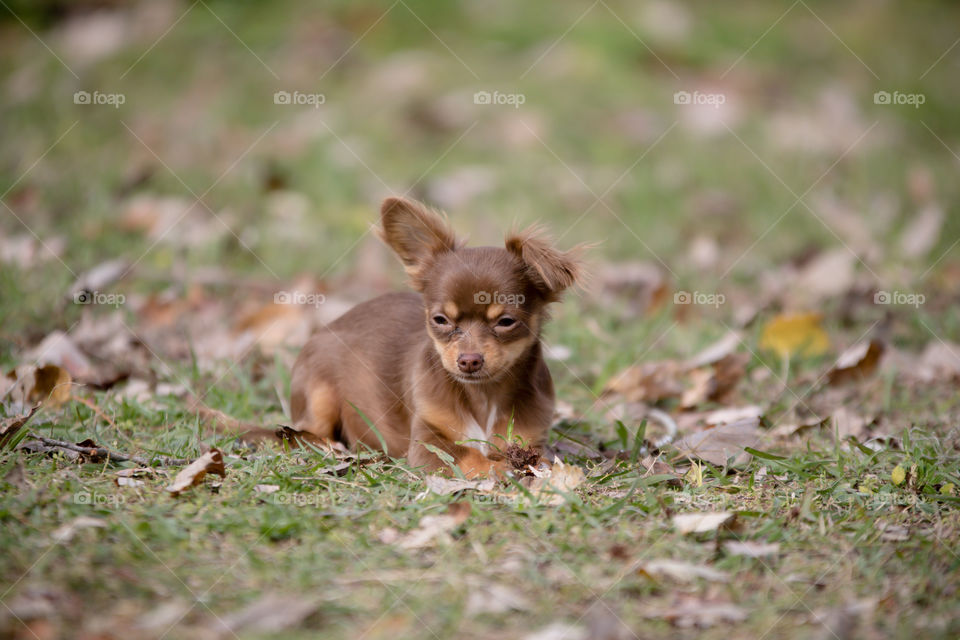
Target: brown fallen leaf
pixel 716 351
pixel 939 360
pixel 682 571
pixel 446 486
pixel 495 598
pixel 49 385
pixel 65 532
pixel 648 382
pixel 922 232
pixel 549 486
pixel 857 362
pixel 751 549
pixel 690 611
pixel 435 526
pixel 716 382
pixel 192 474
pixel 9 427
pixel 719 444
pixel 704 521
pixel 270 613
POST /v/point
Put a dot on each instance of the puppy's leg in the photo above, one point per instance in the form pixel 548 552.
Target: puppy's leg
pixel 315 409
pixel 472 462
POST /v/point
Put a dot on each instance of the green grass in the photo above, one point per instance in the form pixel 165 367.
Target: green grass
pixel 396 107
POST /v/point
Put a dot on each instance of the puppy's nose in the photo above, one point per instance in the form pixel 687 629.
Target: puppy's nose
pixel 470 362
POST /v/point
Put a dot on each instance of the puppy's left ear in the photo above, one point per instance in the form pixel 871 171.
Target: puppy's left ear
pixel 416 234
pixel 551 270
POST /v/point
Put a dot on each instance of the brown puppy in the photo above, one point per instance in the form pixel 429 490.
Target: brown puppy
pixel 457 366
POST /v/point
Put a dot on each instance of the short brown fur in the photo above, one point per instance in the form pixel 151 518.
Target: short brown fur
pixel 450 366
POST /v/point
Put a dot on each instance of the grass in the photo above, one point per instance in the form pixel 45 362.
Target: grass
pixel 871 557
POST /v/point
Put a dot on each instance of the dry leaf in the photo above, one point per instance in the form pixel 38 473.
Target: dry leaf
pixel 435 526
pixel 691 611
pixel 857 362
pixel 266 488
pixel 922 232
pixel 795 334
pixel 550 485
pixel 99 277
pixel 192 474
pixel 49 385
pixel 716 382
pixel 682 571
pixel 271 613
pixel 716 351
pixel 939 360
pixel 495 598
pixel 446 486
pixel 65 532
pixel 850 423
pixel 648 382
pixel 719 444
pixel 10 426
pixel 703 522
pixel 751 549
pixel 559 631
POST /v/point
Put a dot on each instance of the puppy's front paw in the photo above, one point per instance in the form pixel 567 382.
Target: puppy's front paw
pixel 477 465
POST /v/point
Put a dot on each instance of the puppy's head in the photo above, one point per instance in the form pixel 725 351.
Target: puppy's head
pixel 484 306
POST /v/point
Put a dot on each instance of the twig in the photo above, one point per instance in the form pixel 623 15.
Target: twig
pixel 103 452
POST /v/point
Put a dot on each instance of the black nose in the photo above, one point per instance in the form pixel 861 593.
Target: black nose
pixel 470 362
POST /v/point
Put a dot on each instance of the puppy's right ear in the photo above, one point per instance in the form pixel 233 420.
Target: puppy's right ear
pixel 415 233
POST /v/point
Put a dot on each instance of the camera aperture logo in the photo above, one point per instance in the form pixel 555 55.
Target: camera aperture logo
pixel 699 298
pixel 901 298
pixel 99 298
pixel 511 99
pixel 299 298
pixel 886 97
pixel 505 299
pixel 299 98
pixel 698 97
pixel 112 99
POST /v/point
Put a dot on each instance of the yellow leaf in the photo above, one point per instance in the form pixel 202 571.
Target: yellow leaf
pixel 947 489
pixel 795 333
pixel 898 475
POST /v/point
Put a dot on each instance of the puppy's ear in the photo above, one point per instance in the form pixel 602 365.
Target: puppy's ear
pixel 551 270
pixel 415 233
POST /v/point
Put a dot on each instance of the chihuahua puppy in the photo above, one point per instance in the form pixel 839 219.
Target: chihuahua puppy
pixel 457 367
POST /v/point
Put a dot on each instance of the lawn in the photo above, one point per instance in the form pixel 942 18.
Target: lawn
pixel 770 191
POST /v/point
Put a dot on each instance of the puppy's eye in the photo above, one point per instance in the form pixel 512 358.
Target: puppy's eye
pixel 506 321
pixel 441 320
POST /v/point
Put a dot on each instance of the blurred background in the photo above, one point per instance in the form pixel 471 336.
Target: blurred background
pixel 203 157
